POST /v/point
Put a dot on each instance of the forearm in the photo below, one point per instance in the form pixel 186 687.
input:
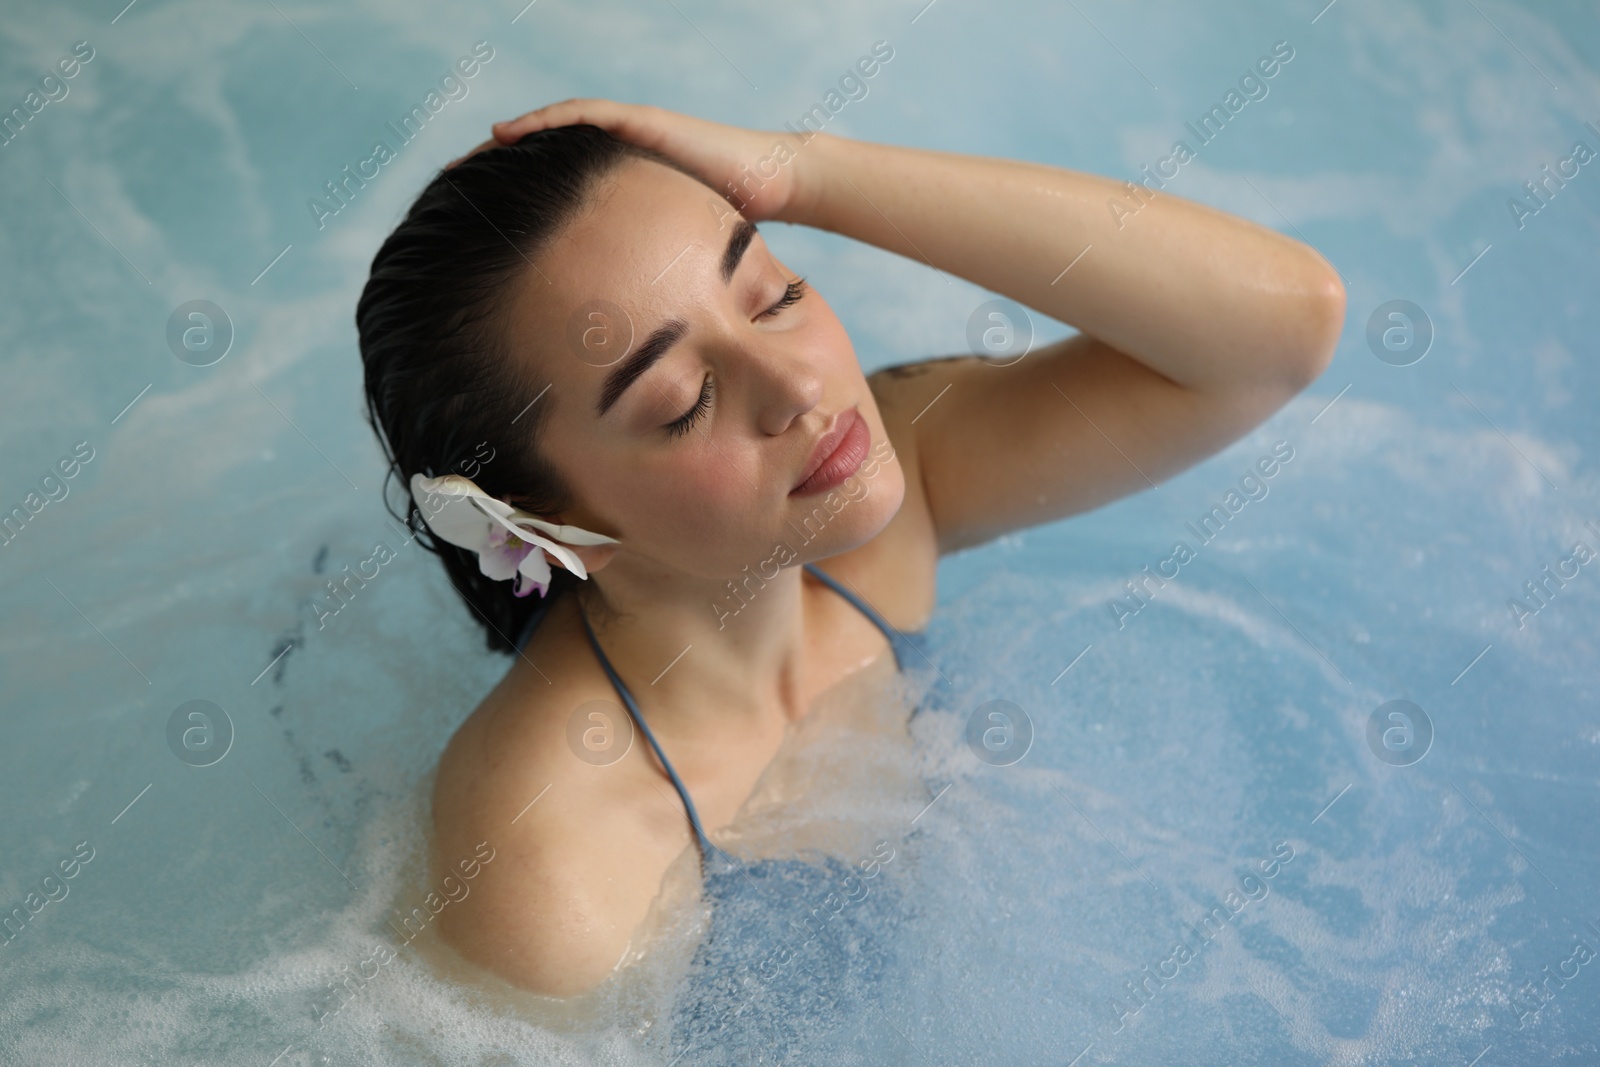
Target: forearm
pixel 1204 298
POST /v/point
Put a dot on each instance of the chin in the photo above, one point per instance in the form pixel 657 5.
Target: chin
pixel 849 515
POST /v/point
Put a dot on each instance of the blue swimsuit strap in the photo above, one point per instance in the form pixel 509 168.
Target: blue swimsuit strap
pixel 896 638
pixel 899 640
pixel 638 717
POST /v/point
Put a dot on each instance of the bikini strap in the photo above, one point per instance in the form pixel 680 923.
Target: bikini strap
pixel 899 641
pixel 897 638
pixel 701 841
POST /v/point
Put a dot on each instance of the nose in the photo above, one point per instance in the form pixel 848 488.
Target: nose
pixel 786 385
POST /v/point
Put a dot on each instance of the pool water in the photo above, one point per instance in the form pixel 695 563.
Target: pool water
pixel 1326 793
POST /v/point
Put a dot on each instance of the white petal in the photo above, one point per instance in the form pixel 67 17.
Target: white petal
pixel 572 535
pixel 517 519
pixel 449 506
pixel 536 567
pixel 568 558
pixel 497 563
pixel 463 514
pixel 520 526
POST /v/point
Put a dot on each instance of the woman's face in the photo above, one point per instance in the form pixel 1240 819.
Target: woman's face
pixel 692 462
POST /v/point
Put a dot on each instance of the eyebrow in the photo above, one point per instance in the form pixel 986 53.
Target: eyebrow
pixel 671 332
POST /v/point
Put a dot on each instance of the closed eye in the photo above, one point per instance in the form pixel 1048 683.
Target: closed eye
pixel 681 425
pixel 791 295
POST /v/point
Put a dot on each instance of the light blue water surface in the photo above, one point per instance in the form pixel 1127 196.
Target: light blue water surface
pixel 1435 912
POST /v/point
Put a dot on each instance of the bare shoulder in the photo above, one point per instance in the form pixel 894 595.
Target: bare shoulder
pixel 578 855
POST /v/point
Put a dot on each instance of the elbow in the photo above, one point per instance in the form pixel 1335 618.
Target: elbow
pixel 1321 321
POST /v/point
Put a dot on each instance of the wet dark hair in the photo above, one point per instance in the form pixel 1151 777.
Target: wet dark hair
pixel 445 393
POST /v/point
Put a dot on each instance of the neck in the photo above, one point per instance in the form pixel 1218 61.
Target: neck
pixel 695 651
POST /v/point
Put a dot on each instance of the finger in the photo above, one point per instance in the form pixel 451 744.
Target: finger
pixel 565 113
pixel 513 130
pixel 602 113
pixel 485 145
pixel 537 119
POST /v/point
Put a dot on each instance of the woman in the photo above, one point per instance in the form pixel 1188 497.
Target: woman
pixel 580 323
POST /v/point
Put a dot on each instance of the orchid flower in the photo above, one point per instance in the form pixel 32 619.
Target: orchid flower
pixel 503 536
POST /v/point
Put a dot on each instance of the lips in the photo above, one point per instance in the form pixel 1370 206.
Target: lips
pixel 837 455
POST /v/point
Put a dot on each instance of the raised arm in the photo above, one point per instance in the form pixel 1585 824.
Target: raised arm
pixel 1195 325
